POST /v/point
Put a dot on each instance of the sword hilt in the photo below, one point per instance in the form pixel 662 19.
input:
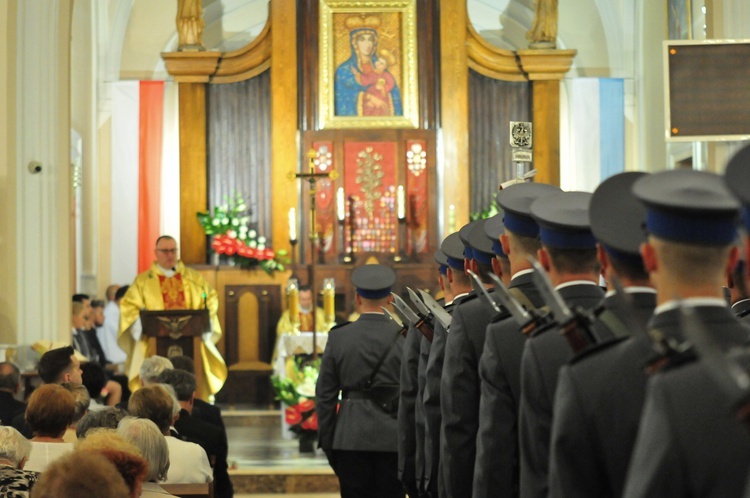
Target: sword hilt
pixel 424 327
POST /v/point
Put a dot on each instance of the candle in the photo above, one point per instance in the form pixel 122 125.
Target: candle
pixel 340 204
pixel 452 218
pixel 292 224
pixel 292 294
pixel 401 203
pixel 329 300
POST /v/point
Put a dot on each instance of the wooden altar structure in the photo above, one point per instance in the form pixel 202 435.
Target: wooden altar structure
pixel 289 49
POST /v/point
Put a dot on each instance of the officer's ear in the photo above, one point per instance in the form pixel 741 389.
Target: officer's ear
pixel 449 274
pixel 496 268
pixel 648 254
pixel 543 257
pixel 358 299
pixel 505 243
pixel 601 255
pixel 734 254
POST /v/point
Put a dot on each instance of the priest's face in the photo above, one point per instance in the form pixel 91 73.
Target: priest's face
pixel 166 253
pixel 306 301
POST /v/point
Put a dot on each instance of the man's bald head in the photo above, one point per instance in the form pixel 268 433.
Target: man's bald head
pixel 10 377
pixel 111 291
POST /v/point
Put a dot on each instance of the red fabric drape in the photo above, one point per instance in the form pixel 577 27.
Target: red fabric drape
pixel 151 117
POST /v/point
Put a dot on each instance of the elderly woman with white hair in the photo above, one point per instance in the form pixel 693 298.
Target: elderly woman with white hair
pixel 14 451
pixel 146 436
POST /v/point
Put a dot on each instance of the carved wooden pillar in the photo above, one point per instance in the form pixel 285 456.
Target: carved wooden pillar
pixel 454 111
pixel 545 68
pixel 192 70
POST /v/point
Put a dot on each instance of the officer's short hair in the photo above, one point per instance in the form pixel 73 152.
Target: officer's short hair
pixel 574 260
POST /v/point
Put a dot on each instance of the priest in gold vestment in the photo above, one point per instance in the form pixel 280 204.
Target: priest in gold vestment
pixel 169 284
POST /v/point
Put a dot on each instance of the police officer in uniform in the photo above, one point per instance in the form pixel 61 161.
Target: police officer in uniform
pixel 459 286
pixel 600 393
pixel 361 440
pixel 459 386
pixel 568 254
pixel 410 408
pixel 689 443
pixel 496 467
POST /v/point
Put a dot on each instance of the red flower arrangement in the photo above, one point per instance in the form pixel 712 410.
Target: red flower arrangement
pixel 231 246
pixel 233 238
pixel 302 417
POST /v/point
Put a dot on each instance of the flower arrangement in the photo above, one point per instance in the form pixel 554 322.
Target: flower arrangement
pixel 233 238
pixel 297 392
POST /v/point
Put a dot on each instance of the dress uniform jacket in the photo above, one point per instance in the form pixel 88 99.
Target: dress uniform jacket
pixel 598 406
pixel 419 416
pixel 542 358
pixel 432 414
pixel 459 394
pixel 689 442
pixel 496 466
pixel 350 357
pixel 406 411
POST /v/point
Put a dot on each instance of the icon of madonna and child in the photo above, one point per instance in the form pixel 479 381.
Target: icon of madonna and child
pixel 363 84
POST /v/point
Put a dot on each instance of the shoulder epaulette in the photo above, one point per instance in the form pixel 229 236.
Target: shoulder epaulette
pixel 339 325
pixel 598 348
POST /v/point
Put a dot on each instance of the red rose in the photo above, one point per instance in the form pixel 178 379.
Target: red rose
pixel 251 252
pixel 293 417
pixel 311 424
pixel 230 250
pixel 305 406
pixel 268 254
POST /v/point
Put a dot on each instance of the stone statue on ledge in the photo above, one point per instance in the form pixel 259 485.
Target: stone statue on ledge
pixel 543 33
pixel 190 25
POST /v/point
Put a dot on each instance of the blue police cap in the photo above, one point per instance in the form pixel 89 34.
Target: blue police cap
pixel 463 234
pixel 373 281
pixel 563 220
pixel 493 229
pixel 516 203
pixel 453 249
pixel 618 218
pixel 688 206
pixel 481 244
pixel 737 178
pixel 442 260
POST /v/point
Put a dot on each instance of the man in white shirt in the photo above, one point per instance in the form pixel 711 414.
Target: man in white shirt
pixel 107 333
pixel 188 461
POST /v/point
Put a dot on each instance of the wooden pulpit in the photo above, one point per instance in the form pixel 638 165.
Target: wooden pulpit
pixel 176 332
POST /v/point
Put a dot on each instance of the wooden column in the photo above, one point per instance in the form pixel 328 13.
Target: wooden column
pixel 454 105
pixel 285 149
pixel 545 68
pixel 191 70
pixel 193 176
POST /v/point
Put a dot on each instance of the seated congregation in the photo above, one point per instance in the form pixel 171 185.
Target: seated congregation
pixel 61 444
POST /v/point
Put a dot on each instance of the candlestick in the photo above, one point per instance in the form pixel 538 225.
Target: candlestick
pixel 329 301
pixel 292 296
pixel 292 224
pixel 340 204
pixel 401 203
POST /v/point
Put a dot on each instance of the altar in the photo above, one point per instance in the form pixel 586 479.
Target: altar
pixel 289 345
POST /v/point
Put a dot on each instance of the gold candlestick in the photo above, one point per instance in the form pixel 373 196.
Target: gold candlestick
pixel 292 296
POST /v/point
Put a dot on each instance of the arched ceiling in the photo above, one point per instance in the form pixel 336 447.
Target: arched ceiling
pixel 601 31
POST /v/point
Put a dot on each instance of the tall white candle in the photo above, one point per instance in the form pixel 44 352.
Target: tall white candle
pixel 401 203
pixel 340 204
pixel 292 224
pixel 452 218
